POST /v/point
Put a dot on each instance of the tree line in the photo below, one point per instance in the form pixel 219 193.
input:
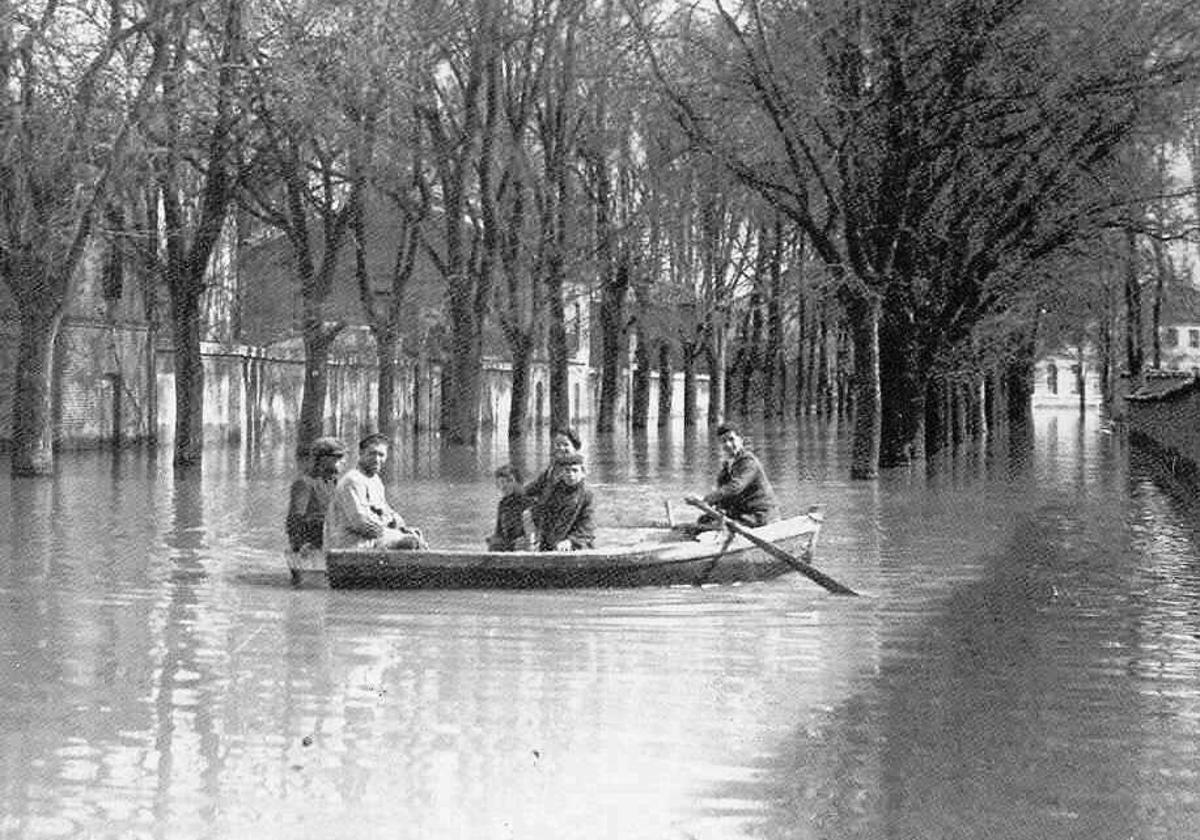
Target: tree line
pixel 840 203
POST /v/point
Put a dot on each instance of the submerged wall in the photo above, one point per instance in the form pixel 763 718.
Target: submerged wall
pixel 1166 417
pixel 115 384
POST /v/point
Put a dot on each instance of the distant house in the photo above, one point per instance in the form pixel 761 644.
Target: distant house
pixel 1179 330
pixel 1061 376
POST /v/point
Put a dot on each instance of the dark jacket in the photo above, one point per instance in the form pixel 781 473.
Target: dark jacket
pixel 744 492
pixel 565 513
pixel 510 532
pixel 540 486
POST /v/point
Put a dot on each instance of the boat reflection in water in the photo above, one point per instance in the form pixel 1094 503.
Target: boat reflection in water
pixel 1022 665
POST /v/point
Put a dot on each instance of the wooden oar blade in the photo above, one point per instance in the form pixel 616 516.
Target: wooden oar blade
pixel 807 569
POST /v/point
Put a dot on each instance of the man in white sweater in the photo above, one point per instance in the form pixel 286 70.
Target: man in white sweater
pixel 359 515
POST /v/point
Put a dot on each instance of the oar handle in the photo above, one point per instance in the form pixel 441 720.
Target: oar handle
pixel 807 569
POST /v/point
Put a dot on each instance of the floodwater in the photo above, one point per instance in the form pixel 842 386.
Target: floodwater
pixel 1023 663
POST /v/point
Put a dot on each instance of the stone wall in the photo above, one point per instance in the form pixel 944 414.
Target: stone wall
pixel 1168 419
pixel 115 384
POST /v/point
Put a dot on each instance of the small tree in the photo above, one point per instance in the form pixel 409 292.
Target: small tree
pixel 65 128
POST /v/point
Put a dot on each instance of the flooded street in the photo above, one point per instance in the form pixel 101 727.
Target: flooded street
pixel 1024 663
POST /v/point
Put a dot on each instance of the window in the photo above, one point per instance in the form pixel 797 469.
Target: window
pixel 1193 338
pixel 1052 378
pixel 1076 379
pixel 1171 337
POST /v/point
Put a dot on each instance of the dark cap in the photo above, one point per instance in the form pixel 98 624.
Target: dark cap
pixel 568 459
pixel 727 429
pixel 327 446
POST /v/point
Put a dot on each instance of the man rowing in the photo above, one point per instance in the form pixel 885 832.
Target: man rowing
pixel 743 491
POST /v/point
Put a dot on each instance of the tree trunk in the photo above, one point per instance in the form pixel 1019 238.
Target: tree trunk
pixel 460 401
pixel 556 346
pixel 717 367
pixel 518 410
pixel 1162 270
pixel 959 405
pixel 690 415
pixel 1018 384
pixel 385 406
pixel 868 403
pixel 823 391
pixel 613 344
pixel 935 420
pixel 32 411
pixel 189 375
pixel 902 390
pixel 665 385
pixel 1134 359
pixel 317 341
pixel 641 381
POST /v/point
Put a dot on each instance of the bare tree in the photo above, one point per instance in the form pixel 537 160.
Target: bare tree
pixel 314 133
pixel 65 130
pixel 192 157
pixel 923 149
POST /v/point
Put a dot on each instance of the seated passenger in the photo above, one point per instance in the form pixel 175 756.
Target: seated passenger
pixel 743 491
pixel 562 517
pixel 359 514
pixel 563 442
pixel 310 494
pixel 510 532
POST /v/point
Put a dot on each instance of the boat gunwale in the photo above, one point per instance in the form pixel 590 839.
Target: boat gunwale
pixel 650 551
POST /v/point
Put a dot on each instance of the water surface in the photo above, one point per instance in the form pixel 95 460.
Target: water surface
pixel 1023 663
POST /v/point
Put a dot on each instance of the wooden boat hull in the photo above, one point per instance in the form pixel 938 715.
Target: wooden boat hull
pixel 658 557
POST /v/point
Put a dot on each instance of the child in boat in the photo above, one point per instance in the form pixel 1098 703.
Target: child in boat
pixel 562 517
pixel 510 532
pixel 564 441
pixel 310 493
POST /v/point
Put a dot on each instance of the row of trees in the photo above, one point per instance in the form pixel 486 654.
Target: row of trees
pixel 887 184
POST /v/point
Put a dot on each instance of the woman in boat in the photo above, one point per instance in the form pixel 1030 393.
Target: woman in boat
pixel 310 493
pixel 563 441
pixel 743 490
pixel 562 517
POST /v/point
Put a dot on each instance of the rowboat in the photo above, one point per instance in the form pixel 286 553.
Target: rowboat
pixel 659 556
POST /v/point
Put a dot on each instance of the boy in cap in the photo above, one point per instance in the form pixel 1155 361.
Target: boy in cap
pixel 310 493
pixel 510 531
pixel 562 517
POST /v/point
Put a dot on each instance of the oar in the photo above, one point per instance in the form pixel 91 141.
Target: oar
pixel 796 563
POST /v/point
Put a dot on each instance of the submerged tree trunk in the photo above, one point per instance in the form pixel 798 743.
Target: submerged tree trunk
pixel 902 391
pixel 666 384
pixel 717 367
pixel 690 414
pixel 1134 357
pixel 518 412
pixel 317 341
pixel 864 331
pixel 460 400
pixel 189 374
pixel 386 343
pixel 32 411
pixel 640 398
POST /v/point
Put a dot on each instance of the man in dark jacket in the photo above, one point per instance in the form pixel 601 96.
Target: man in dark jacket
pixel 743 490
